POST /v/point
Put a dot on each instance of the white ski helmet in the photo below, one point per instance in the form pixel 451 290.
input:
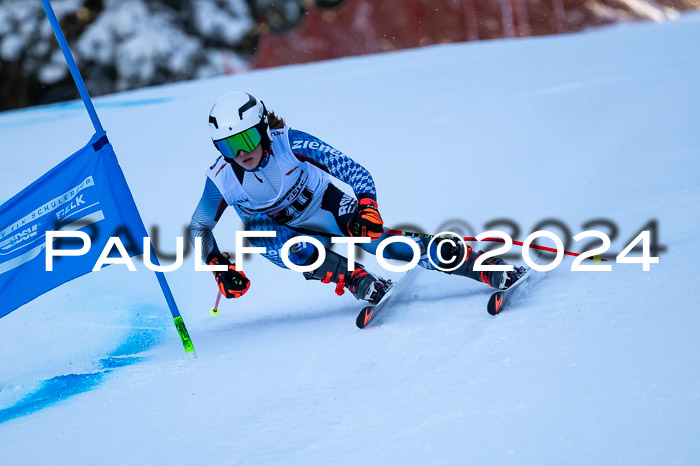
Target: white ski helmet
pixel 238 121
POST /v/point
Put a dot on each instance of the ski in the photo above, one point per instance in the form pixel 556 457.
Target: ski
pixel 370 311
pixel 500 299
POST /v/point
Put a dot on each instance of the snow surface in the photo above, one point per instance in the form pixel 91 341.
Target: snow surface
pixel 590 368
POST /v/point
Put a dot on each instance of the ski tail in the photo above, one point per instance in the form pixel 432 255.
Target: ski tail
pixel 496 303
pixel 500 298
pixel 368 314
pixel 365 315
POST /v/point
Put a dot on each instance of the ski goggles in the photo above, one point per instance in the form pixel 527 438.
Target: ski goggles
pixel 247 140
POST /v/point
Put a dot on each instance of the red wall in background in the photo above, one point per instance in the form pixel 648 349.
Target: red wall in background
pixel 364 26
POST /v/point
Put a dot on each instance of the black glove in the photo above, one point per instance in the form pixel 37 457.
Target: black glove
pixel 366 221
pixel 232 283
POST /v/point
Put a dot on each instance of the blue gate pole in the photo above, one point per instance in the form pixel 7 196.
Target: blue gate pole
pixel 63 44
pixel 80 84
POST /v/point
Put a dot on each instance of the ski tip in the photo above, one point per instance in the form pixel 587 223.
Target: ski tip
pixel 364 316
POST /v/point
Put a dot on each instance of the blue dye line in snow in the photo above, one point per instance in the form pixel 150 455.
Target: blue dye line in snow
pixel 57 109
pixel 61 387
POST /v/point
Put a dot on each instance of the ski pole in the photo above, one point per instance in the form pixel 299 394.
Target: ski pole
pixel 495 240
pixel 214 311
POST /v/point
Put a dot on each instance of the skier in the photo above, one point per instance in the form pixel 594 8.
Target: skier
pixel 279 179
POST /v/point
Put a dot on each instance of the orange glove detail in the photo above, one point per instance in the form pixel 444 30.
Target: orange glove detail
pixel 232 283
pixel 366 221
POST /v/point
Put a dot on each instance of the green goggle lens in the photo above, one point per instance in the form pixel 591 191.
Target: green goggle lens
pixel 247 141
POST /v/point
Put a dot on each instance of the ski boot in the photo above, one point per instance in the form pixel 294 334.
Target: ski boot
pixel 363 285
pixel 515 275
pixel 496 279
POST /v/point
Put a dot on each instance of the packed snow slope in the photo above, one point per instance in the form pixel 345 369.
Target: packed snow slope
pixel 589 368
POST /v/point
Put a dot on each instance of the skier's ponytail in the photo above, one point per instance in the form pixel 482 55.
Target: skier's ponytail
pixel 274 121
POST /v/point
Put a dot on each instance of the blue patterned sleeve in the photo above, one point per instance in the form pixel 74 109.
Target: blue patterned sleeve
pixel 310 148
pixel 205 217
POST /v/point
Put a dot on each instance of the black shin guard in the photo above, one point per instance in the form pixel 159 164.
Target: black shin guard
pixel 333 269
